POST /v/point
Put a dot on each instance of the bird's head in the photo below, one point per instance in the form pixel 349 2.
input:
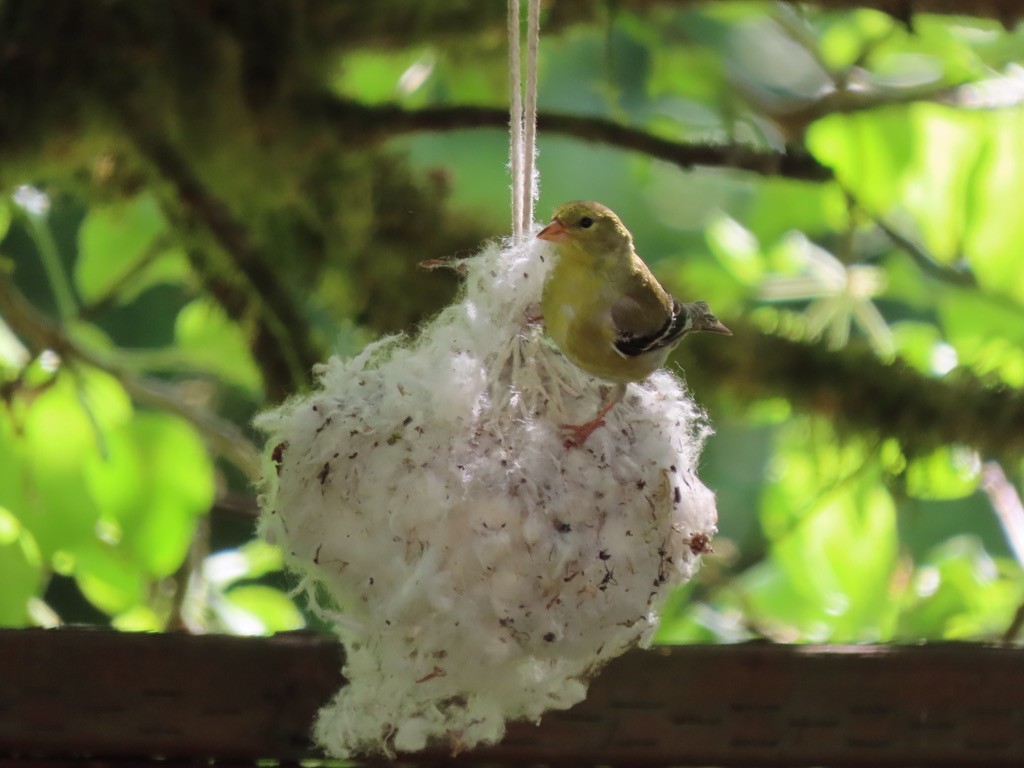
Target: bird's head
pixel 703 319
pixel 589 226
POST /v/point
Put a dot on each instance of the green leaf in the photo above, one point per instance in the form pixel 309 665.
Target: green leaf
pixel 213 342
pixel 946 473
pixel 13 354
pixel 259 610
pixel 987 333
pixel 904 283
pixel 948 157
pixel 946 46
pixel 921 346
pixel 736 248
pixel 689 72
pixel 110 581
pixel 961 593
pixel 870 152
pixel 64 427
pixel 375 77
pixel 20 571
pixel 846 36
pixel 700 276
pixel 956 173
pixel 252 560
pixel 969 315
pixel 831 525
pixel 170 266
pixel 5 218
pixel 111 242
pixel 782 205
pixel 994 225
pixel 141 618
pixel 153 484
pixel 13 466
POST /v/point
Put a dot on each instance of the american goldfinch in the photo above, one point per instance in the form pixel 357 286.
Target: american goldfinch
pixel 605 310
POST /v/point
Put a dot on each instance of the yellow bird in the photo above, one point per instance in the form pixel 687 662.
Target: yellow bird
pixel 605 310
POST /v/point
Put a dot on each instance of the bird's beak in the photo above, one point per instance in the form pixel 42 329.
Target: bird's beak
pixel 717 326
pixel 554 232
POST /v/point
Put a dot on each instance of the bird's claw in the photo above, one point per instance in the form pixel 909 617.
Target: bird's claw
pixel 576 434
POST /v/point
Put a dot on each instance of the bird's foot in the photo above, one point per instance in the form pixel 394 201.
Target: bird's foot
pixel 576 434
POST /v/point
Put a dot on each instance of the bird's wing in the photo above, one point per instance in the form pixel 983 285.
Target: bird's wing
pixel 645 316
pixel 630 344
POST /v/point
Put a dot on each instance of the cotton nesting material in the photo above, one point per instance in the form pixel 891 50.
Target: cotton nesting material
pixel 476 569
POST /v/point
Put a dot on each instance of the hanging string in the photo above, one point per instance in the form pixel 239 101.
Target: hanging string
pixel 515 89
pixel 523 122
pixel 530 115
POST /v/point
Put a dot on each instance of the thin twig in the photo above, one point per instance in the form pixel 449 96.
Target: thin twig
pixel 1009 509
pixel 187 580
pixel 1007 505
pixel 1013 631
pixel 924 260
pixel 53 267
pixel 927 263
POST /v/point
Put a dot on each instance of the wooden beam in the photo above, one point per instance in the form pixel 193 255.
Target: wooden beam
pixel 92 692
pixel 67 695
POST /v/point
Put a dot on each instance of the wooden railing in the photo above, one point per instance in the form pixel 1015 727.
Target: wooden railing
pixel 90 697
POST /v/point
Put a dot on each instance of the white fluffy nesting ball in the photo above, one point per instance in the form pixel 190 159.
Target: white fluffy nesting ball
pixel 475 568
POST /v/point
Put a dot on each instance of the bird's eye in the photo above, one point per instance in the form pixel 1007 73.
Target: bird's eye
pixel 586 222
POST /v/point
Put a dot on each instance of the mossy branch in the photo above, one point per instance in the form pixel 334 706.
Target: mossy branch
pixel 282 343
pixel 858 392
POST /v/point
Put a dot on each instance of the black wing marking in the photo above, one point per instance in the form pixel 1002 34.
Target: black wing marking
pixel 674 329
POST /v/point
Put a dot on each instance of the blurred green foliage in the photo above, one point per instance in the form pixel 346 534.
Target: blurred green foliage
pixel 134 342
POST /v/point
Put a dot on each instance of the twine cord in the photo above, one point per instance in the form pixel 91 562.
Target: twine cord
pixel 515 118
pixel 523 116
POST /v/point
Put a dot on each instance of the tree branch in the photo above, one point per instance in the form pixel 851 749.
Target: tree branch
pixel 283 345
pixel 376 122
pixel 858 392
pixel 395 23
pixel 1007 12
pixel 222 437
